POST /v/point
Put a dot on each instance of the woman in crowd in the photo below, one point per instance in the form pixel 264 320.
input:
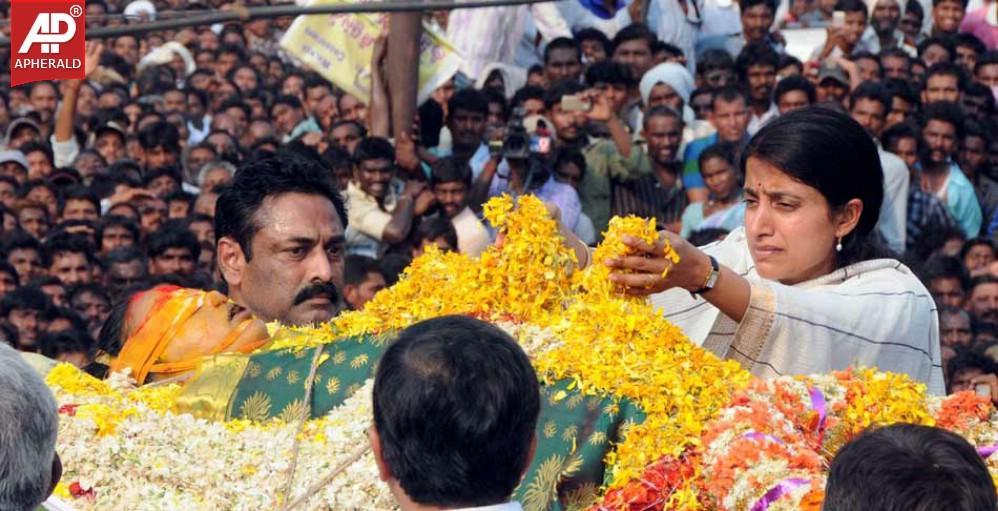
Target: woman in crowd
pixel 805 287
pixel 724 208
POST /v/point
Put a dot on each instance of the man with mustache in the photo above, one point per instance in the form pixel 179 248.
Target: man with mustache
pixel 280 231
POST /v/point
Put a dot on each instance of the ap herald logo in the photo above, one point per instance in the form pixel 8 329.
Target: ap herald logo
pixel 47 40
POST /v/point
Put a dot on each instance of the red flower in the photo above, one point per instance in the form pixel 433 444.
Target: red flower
pixel 77 491
pixel 69 409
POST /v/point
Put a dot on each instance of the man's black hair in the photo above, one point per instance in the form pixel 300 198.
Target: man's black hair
pixel 527 92
pixel 497 97
pixel 944 111
pixel 34 184
pixel 969 360
pixel 873 91
pixel 714 59
pixel 562 43
pixel 989 58
pixel 160 133
pixel 728 94
pixel 969 41
pixel 609 72
pixel 117 221
pixel 635 31
pixel 465 381
pixel 748 4
pixel 67 244
pixel 33 145
pixel 239 201
pixel 903 89
pixel 947 69
pixel 945 42
pixel 392 265
pixel 722 150
pixel 92 288
pixel 469 100
pixel 592 34
pixel 572 156
pixel 450 170
pixel 9 269
pixel 852 6
pixel 755 54
pixel 20 240
pixel 236 102
pixel 671 50
pixel 946 267
pixel 233 49
pixel 430 228
pixel 180 195
pixel 24 298
pixel 907 467
pixel 356 268
pixel 795 83
pixel 896 53
pixel 335 157
pixel 291 101
pixel 74 340
pixel 158 172
pixel 172 236
pixel 78 192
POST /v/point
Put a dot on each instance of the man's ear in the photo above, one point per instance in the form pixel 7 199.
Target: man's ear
pixel 530 455
pixel 231 260
pixel 349 293
pixel 384 472
pixel 56 473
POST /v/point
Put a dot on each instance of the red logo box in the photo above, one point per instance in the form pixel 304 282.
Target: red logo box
pixel 47 40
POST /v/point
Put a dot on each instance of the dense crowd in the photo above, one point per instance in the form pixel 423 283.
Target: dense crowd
pixel 599 108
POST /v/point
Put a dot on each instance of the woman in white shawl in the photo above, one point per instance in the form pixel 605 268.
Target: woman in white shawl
pixel 805 286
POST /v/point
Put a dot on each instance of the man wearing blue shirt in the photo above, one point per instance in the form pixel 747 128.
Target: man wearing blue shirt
pixel 941 176
pixel 730 115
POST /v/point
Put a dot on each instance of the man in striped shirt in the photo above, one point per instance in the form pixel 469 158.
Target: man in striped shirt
pixel 658 194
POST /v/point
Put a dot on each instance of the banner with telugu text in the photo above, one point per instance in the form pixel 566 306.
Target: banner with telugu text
pixel 339 47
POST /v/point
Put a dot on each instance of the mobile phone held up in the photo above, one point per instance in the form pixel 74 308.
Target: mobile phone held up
pixel 983 389
pixel 575 103
pixel 838 19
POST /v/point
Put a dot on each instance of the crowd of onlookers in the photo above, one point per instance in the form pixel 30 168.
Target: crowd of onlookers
pixel 601 108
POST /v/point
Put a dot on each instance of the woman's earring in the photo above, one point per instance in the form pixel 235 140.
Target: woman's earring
pixel 838 246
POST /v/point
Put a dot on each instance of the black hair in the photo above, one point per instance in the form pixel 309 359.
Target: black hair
pixel 609 72
pixel 969 40
pixel 291 101
pixel 592 34
pixel 748 4
pixel 722 150
pixel 969 360
pixel 713 59
pixel 432 227
pixel 908 467
pixel 945 42
pixel 852 6
pixel 33 145
pixel 335 157
pixel 661 111
pixel 568 155
pixel 728 94
pixel 470 100
pixel 701 237
pixel 755 54
pixel 78 193
pixel 158 172
pixel 873 91
pixel 179 195
pixel 669 49
pixel 356 268
pixel 832 153
pixel 495 96
pixel 88 288
pixel 172 236
pixel 9 269
pixel 160 133
pixel 374 148
pixel 946 267
pixel 67 244
pixel 903 89
pixel 895 53
pixel 235 102
pixel 466 381
pixel 947 69
pixel 116 221
pixel 974 242
pixel 343 122
pixel 74 340
pixel 271 176
pixel 392 265
pixel 24 298
pixel 635 31
pixel 20 240
pixel 795 83
pixel 944 111
pixel 562 43
pixel 527 92
pixel 989 58
pixel 450 170
pixel 238 51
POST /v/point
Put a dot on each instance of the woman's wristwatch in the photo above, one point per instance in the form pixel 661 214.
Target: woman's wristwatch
pixel 711 279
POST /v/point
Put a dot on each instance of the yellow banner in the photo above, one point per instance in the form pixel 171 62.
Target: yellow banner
pixel 339 47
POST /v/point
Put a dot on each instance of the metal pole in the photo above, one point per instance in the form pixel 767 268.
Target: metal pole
pixel 243 14
pixel 404 32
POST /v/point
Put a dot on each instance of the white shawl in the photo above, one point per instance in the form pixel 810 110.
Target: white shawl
pixel 874 313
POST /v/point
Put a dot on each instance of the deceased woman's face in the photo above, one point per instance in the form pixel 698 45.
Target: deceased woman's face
pixel 791 231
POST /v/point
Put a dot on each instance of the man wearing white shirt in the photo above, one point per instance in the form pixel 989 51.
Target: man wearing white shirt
pixel 869 105
pixel 450 181
pixel 456 403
